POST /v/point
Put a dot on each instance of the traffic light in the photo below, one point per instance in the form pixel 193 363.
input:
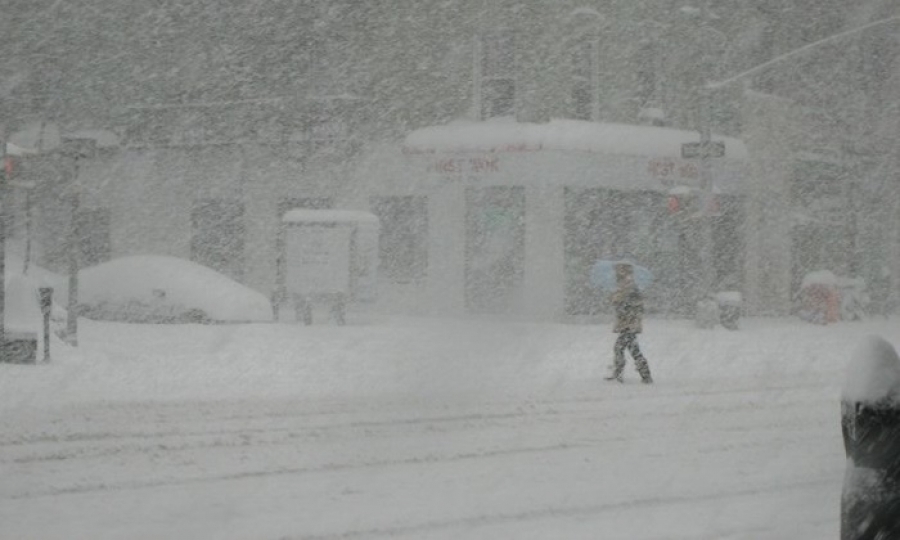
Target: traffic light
pixel 682 201
pixel 691 202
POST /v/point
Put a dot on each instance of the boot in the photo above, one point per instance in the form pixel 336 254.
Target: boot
pixel 643 368
pixel 615 374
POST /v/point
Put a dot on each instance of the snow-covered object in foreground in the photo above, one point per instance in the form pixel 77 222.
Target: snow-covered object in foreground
pixel 158 288
pixel 870 422
pixel 855 300
pixel 873 374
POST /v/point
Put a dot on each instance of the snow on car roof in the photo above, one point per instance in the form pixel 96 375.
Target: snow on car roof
pixel 184 282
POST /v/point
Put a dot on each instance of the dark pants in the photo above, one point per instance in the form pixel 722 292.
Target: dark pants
pixel 628 340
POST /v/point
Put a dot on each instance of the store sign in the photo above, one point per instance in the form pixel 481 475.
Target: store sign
pixel 466 165
pixel 701 150
pixel 317 259
pixel 670 171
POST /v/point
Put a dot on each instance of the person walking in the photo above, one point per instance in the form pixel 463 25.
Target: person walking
pixel 628 302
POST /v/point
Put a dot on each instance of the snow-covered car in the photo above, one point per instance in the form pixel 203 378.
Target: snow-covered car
pixel 164 289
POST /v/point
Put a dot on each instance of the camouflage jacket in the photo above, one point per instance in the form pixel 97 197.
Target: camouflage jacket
pixel 629 306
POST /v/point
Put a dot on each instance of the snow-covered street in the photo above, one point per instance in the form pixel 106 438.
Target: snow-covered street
pixel 427 429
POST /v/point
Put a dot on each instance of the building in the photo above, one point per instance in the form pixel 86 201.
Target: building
pixel 243 112
pixel 508 218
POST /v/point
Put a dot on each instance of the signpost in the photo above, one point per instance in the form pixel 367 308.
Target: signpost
pixel 328 256
pixel 3 180
pixel 704 150
pixel 76 148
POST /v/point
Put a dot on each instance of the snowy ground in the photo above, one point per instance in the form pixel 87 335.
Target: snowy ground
pixel 427 429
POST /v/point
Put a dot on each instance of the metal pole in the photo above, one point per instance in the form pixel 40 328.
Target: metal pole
pixel 476 77
pixel 46 298
pixel 78 148
pixel 707 255
pixel 3 192
pixel 72 315
pixel 595 78
pixel 29 202
pixel 707 245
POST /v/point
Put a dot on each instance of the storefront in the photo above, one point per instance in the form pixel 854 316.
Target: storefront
pixel 500 218
pixel 507 218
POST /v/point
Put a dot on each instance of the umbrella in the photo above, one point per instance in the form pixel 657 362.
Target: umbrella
pixel 603 274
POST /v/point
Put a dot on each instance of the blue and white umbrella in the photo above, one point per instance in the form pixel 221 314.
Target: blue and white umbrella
pixel 603 274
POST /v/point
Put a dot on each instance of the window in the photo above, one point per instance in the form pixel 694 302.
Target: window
pixel 584 68
pixel 328 128
pixel 646 75
pixel 314 60
pixel 218 235
pixel 495 248
pixel 498 81
pixel 308 203
pixel 403 244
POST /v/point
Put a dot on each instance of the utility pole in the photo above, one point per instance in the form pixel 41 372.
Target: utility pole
pixel 707 243
pixel 72 306
pixel 77 149
pixel 3 191
pixel 477 53
pixel 708 274
pixel 703 152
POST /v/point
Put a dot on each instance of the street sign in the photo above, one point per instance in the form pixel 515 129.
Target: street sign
pixel 693 150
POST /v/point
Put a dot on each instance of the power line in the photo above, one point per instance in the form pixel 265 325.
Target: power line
pixel 797 52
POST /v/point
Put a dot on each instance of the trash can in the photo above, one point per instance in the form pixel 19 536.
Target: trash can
pixel 820 303
pixel 870 425
pixel 730 305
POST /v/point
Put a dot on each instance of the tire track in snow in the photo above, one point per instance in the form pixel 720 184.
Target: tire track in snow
pixel 525 408
pixel 110 443
pixel 570 416
pixel 328 467
pixel 528 409
pixel 559 512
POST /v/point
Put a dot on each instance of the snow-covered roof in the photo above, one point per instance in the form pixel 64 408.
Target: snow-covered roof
pixel 302 215
pixel 38 137
pixel 562 135
pixel 819 277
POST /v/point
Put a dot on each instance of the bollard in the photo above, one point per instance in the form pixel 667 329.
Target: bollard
pixel 870 425
pixel 46 300
pixel 730 304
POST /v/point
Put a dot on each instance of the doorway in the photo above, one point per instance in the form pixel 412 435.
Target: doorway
pixel 495 248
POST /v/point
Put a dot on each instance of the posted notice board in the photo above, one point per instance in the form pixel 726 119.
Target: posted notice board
pixel 317 259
